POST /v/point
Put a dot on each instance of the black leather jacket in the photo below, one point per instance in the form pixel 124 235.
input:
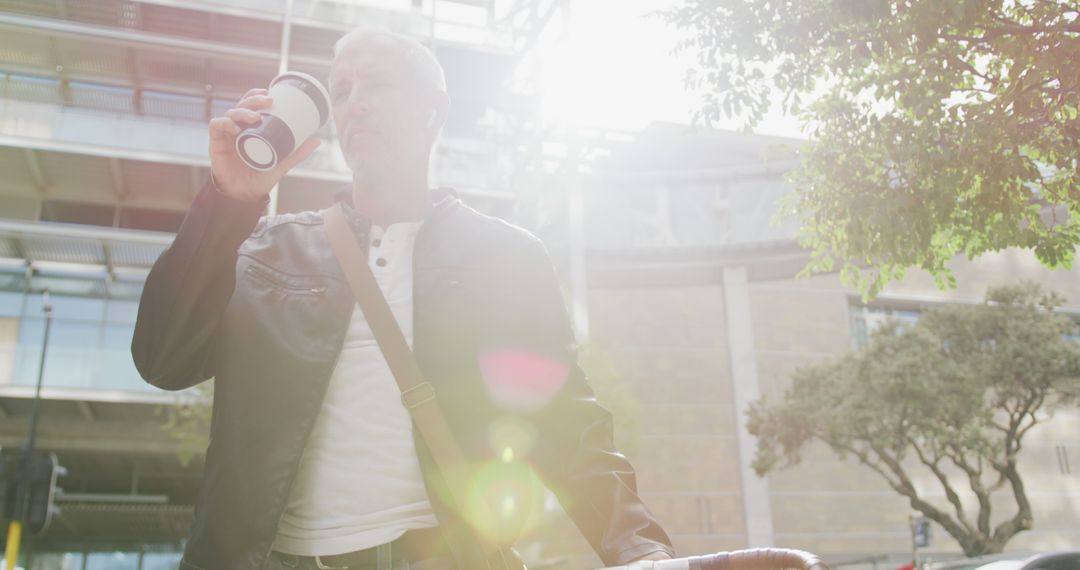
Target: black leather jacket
pixel 262 306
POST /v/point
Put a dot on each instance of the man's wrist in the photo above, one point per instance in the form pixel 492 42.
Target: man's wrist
pixel 250 197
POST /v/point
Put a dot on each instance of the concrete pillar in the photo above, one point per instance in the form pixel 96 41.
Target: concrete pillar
pixel 757 507
pixel 579 285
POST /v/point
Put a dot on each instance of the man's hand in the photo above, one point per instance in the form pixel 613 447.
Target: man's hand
pixel 232 176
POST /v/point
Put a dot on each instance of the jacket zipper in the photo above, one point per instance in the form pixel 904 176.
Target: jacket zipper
pixel 262 276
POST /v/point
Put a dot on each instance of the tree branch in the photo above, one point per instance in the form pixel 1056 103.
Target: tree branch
pixel 907 489
pixel 865 460
pixel 1061 8
pixel 950 493
pixel 981 493
pixel 1011 28
pixel 1022 520
pixel 971 68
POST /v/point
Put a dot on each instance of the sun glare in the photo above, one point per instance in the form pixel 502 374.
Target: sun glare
pixel 614 68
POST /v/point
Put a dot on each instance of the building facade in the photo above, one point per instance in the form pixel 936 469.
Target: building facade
pixel 693 291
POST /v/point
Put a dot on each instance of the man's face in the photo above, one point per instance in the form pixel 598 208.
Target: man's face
pixel 380 107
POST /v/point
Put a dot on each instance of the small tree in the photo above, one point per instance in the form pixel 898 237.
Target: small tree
pixel 188 422
pixel 952 396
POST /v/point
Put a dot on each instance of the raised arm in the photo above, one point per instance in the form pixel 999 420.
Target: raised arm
pixel 191 283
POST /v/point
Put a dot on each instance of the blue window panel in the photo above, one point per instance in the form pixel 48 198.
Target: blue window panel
pixel 104 97
pixel 175 106
pixel 13 282
pixel 67 308
pixel 866 319
pixel 112 561
pixel 32 88
pixel 161 560
pixel 89 343
pixel 121 311
pixel 11 304
pixel 80 355
pixel 127 290
pixel 117 370
pixel 57 561
pixel 73 353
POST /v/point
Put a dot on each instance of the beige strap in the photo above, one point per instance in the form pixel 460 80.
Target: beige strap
pixel 417 395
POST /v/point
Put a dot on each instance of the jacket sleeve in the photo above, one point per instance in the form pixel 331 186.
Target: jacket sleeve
pixel 576 455
pixel 187 291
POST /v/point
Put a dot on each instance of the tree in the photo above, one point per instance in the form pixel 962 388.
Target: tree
pixel 187 421
pixel 950 397
pixel 937 128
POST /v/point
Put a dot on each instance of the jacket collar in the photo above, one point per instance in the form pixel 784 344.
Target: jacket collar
pixel 442 199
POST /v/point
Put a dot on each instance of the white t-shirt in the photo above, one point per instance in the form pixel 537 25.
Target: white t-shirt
pixel 359 483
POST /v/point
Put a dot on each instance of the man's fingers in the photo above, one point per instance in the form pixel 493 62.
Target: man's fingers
pixel 222 127
pixel 253 92
pixel 256 102
pixel 300 154
pixel 244 116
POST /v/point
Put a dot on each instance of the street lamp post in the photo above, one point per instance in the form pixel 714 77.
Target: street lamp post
pixel 11 554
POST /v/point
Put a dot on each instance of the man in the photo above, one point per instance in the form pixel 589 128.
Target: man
pixel 312 462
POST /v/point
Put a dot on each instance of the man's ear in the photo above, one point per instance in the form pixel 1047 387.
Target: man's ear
pixel 439 108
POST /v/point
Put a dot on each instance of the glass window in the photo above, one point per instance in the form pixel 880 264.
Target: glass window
pixel 161 560
pixel 866 319
pixel 89 343
pixel 9 343
pixel 67 308
pixel 12 284
pixel 56 561
pixel 11 304
pixel 121 311
pixel 112 561
pixel 127 290
pixel 117 370
pixel 73 352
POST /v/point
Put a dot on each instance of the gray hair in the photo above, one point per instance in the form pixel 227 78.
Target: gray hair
pixel 419 57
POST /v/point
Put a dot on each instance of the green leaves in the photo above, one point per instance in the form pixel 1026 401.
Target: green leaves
pixel 937 125
pixel 960 388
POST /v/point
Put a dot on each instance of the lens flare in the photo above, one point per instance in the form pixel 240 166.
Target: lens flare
pixel 511 438
pixel 509 503
pixel 521 381
pixel 503 499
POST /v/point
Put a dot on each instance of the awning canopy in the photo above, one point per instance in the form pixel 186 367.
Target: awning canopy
pixel 80 260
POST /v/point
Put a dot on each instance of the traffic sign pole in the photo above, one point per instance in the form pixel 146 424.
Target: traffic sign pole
pixel 11 553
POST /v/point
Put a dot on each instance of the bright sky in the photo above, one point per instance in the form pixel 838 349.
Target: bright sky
pixel 616 70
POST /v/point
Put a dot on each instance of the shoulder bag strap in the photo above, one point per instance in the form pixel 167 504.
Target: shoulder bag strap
pixel 417 395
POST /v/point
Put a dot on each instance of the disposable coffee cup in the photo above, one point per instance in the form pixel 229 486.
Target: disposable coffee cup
pixel 301 106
